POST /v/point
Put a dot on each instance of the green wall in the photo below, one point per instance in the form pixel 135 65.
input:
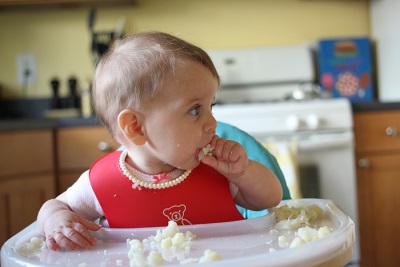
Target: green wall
pixel 60 38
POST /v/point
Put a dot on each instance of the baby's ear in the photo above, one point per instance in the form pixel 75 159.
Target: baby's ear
pixel 130 124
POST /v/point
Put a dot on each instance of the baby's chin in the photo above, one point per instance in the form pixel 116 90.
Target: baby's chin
pixel 189 165
pixel 196 163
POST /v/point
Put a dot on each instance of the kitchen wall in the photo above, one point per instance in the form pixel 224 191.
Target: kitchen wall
pixel 384 18
pixel 60 38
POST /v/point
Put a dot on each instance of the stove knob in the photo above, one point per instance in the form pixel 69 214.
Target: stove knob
pixel 312 121
pixel 292 123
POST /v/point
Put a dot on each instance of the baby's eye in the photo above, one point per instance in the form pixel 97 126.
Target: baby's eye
pixel 195 111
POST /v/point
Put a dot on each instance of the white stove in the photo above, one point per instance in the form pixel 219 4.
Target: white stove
pixel 263 73
pixel 288 117
pixel 269 93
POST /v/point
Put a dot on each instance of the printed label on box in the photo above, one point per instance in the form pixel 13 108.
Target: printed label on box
pixel 345 68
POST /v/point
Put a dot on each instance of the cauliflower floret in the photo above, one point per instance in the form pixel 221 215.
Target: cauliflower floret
pixel 324 231
pixel 205 151
pixel 297 215
pixel 283 241
pixel 137 259
pixel 189 235
pixel 37 242
pixel 136 245
pixel 307 234
pixel 154 258
pixel 296 242
pixel 179 240
pixel 170 230
pixel 210 255
pixel 31 248
pixel 158 237
pixel 166 243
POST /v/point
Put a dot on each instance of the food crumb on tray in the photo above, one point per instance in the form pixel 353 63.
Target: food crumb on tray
pixel 168 244
pixel 306 220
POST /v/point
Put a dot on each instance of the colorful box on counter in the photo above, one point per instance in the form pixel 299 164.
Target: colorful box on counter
pixel 345 68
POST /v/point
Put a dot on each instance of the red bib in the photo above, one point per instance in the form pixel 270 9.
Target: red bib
pixel 203 197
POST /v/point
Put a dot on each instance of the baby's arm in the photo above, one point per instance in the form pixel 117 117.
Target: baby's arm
pixel 62 228
pixel 259 188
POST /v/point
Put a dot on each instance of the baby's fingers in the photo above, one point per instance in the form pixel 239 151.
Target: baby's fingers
pixel 62 241
pixel 89 224
pixel 74 238
pixel 210 161
pixel 80 236
pixel 83 230
pixel 52 244
pixel 227 150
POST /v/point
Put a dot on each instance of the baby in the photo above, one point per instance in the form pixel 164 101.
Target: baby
pixel 154 93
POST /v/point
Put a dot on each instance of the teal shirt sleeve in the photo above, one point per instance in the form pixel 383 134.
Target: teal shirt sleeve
pixel 257 152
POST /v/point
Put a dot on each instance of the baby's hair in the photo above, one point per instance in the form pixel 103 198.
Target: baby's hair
pixel 135 69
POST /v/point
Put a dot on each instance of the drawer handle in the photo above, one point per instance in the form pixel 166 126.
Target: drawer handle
pixel 104 146
pixel 391 131
pixel 363 163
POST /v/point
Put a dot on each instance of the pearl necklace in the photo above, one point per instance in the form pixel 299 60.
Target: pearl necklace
pixel 139 183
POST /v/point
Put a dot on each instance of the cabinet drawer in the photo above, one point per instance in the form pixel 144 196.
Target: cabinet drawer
pixel 26 152
pixel 377 131
pixel 78 148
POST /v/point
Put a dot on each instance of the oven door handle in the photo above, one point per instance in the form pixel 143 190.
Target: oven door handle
pixel 327 141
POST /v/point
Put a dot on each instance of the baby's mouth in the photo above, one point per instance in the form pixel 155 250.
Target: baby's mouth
pixel 205 151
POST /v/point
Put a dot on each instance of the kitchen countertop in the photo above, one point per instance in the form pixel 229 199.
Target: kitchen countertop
pixel 375 106
pixel 43 123
pixel 34 124
pixel 30 114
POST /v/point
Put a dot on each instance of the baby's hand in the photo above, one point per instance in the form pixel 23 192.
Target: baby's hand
pixel 65 229
pixel 229 158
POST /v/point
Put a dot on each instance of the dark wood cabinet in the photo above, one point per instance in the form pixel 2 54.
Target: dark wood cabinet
pixel 378 180
pixel 26 178
pixel 77 149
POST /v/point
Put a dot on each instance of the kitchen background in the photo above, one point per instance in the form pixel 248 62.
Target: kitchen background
pixel 39 158
pixel 60 38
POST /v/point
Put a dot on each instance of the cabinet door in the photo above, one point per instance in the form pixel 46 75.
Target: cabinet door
pixel 378 181
pixel 66 179
pixel 77 149
pixel 26 178
pixel 20 200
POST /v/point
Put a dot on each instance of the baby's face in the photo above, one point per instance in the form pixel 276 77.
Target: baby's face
pixel 181 123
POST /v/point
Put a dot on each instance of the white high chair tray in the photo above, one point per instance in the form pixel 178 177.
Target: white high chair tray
pixel 241 243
